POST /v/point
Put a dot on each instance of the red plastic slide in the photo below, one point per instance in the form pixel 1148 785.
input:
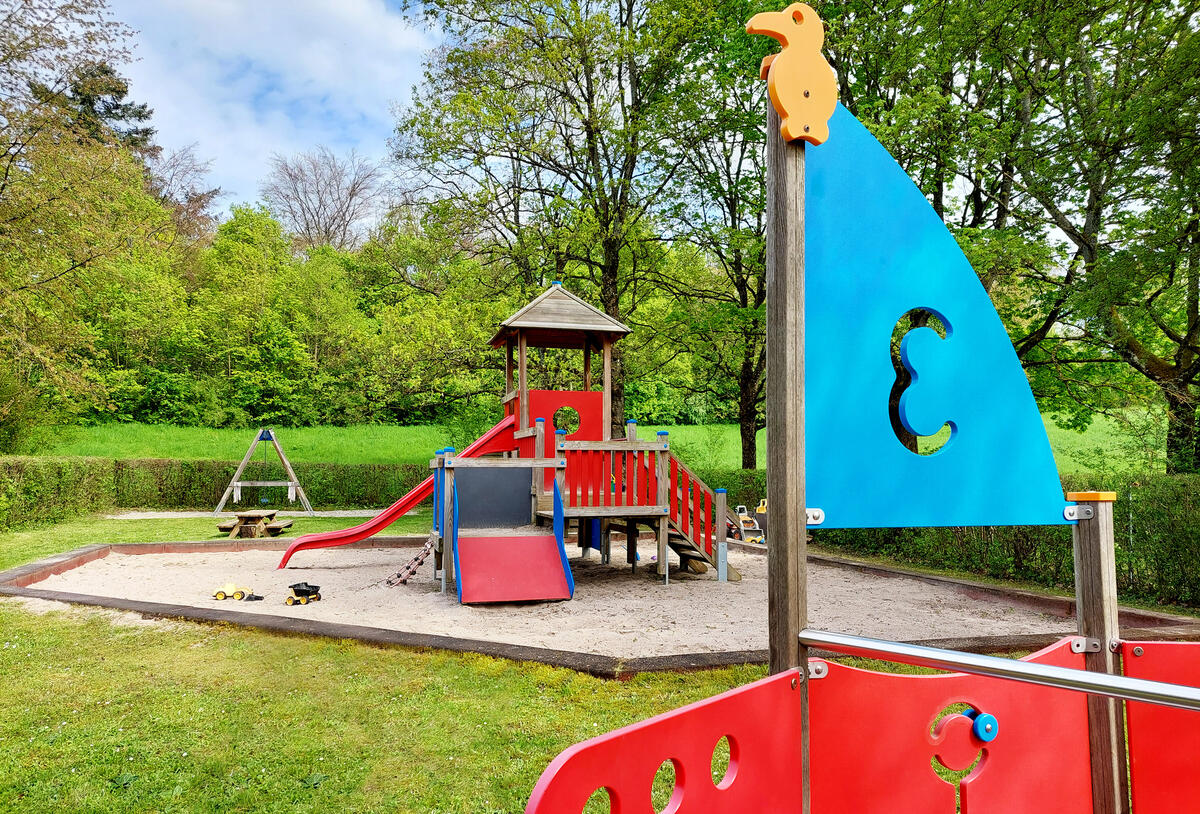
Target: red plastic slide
pixel 498 439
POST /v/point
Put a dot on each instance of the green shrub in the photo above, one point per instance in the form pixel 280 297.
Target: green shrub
pixel 1154 520
pixel 36 490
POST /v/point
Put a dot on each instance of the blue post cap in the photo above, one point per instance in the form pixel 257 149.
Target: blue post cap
pixel 450 450
pixel 663 432
pixel 540 419
pixel 556 282
pixel 721 491
pixel 560 432
pixel 439 452
pixel 631 421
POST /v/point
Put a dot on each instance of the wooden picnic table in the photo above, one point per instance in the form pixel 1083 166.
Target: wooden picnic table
pixel 254 523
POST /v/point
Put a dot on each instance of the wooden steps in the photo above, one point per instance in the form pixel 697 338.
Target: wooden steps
pixel 693 558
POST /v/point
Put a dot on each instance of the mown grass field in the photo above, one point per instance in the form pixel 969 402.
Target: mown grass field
pixel 1105 445
pixel 18 547
pixel 104 713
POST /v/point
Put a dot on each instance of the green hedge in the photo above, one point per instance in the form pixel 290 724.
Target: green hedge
pixel 34 490
pixel 1155 523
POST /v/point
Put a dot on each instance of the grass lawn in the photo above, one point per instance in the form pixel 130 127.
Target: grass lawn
pixel 97 714
pixel 1105 445
pixel 18 547
pixel 366 444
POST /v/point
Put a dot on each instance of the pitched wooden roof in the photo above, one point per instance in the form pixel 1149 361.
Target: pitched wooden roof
pixel 556 318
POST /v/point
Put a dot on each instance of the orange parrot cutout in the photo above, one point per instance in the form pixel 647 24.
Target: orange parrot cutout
pixel 801 83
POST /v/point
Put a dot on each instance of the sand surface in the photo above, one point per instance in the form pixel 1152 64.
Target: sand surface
pixel 614 612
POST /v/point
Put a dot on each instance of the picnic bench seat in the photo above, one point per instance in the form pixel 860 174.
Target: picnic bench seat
pixel 227 525
pixel 276 528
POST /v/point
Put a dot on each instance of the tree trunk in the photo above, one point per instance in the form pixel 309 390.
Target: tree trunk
pixel 1181 431
pixel 610 300
pixel 748 412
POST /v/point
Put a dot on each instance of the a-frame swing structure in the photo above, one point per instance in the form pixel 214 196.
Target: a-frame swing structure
pixel 234 489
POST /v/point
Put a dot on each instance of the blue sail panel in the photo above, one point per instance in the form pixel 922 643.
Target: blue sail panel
pixel 874 251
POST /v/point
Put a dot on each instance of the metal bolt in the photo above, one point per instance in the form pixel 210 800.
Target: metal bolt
pixel 795 683
pixel 987 728
pixel 806 128
pixel 1137 651
pixel 805 94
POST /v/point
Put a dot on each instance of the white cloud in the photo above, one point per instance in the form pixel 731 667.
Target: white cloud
pixel 244 79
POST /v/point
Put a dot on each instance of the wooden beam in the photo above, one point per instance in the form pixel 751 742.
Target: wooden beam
pixel 606 404
pixel 504 463
pixel 787 597
pixel 1096 614
pixel 522 381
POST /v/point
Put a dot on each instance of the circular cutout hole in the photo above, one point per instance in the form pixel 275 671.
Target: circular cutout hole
pixel 566 418
pixel 599 803
pixel 724 762
pixel 667 793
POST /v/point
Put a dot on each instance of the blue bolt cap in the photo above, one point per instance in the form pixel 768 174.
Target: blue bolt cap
pixel 986 727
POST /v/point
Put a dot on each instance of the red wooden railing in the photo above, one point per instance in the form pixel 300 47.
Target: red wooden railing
pixel 603 474
pixel 626 473
pixel 691 506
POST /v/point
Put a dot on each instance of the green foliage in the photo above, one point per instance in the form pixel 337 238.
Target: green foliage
pixel 1158 547
pixel 39 490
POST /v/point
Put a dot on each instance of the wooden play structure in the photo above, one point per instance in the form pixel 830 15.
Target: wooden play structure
pixel 604 484
pixel 1090 724
pixel 236 484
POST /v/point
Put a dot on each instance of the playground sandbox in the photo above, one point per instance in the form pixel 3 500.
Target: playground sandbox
pixel 619 621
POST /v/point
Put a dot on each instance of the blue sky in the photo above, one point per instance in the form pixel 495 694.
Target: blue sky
pixel 243 79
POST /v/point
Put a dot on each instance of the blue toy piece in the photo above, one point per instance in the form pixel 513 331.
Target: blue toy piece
pixel 985 727
pixel 874 251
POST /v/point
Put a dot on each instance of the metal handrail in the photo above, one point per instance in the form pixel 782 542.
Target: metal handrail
pixel 1045 675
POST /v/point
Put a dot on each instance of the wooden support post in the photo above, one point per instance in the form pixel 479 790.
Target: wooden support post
pixel 631 534
pixel 787 599
pixel 522 381
pixel 720 547
pixel 587 362
pixel 539 475
pixel 631 430
pixel 605 541
pixel 1096 613
pixel 448 525
pixel 606 404
pixel 664 566
pixel 508 368
pixel 294 486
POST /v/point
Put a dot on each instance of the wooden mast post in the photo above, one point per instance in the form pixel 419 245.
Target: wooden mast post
pixel 1096 614
pixel 787 599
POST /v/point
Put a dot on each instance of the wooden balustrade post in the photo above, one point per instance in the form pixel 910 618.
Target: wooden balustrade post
pixel 539 475
pixel 631 430
pixel 1096 614
pixel 720 547
pixel 448 575
pixel 663 477
pixel 439 519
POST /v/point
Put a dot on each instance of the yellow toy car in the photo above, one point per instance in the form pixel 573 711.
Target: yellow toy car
pixel 231 591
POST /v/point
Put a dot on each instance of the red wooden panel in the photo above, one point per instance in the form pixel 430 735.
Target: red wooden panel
pixel 652 478
pixel 761 721
pixel 1164 743
pixel 697 515
pixel 630 477
pixel 871 743
pixel 619 484
pixel 685 505
pixel 708 528
pixel 606 479
pixel 673 488
pixel 486 572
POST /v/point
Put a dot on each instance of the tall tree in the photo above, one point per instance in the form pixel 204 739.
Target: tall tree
pixel 543 126
pixel 324 199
